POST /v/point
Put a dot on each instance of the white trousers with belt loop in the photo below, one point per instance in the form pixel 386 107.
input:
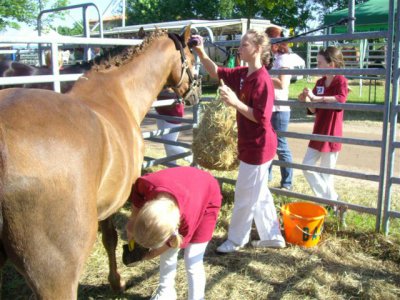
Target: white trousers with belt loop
pixel 196 276
pixel 253 201
pixel 321 184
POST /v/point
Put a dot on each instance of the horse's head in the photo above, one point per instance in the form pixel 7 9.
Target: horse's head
pixel 182 78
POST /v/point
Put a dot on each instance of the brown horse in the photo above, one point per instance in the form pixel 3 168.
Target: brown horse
pixel 68 161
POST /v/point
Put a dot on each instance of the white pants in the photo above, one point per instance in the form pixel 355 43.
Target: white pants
pixel 253 200
pixel 321 184
pixel 171 149
pixel 195 272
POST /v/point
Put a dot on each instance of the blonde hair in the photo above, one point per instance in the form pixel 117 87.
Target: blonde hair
pixel 260 38
pixel 157 223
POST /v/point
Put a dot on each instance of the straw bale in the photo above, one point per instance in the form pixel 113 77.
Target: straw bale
pixel 215 140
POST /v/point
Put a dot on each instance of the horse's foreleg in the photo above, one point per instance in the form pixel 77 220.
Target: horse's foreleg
pixel 3 259
pixel 110 240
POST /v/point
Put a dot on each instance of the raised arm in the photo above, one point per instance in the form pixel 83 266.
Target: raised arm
pixel 207 62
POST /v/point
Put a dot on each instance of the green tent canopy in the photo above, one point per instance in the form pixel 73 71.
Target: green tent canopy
pixel 370 16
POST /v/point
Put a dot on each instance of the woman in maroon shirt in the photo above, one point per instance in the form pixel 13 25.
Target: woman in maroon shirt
pixel 171 209
pixel 328 89
pixel 173 110
pixel 251 92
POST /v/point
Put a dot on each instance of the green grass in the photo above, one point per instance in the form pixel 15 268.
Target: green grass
pixel 367 91
pixel 209 90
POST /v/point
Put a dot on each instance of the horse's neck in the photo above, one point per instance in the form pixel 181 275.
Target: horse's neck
pixel 133 86
pixel 144 77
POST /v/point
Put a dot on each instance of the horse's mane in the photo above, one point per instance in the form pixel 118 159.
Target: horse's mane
pixel 121 55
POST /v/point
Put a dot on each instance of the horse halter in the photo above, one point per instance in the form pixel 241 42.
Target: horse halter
pixel 194 90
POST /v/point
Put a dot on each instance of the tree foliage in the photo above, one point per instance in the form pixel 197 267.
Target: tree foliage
pixel 294 14
pixel 15 12
pixel 153 11
pixel 320 8
pixel 75 30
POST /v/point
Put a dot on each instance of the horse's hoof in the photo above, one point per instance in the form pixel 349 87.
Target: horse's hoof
pixel 122 287
pixel 117 284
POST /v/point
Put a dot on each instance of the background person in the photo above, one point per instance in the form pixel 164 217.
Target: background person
pixel 328 89
pixel 172 209
pixel 250 91
pixel 281 113
pixel 174 110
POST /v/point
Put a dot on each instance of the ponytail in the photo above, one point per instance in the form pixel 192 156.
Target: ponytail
pixel 175 240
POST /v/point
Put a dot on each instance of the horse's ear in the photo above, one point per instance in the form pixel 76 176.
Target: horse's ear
pixel 186 34
pixel 141 33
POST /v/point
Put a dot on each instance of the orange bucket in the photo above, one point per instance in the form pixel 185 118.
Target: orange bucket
pixel 303 223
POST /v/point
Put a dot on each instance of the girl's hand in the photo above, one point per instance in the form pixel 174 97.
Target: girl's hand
pixel 309 93
pixel 302 98
pixel 228 96
pixel 196 42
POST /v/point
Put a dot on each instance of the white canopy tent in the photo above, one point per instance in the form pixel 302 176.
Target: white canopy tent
pixel 218 27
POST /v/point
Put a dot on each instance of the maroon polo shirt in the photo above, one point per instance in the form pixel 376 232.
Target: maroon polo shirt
pixel 174 110
pixel 329 121
pixel 257 142
pixel 197 194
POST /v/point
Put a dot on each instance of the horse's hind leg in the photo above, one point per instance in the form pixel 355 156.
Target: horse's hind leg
pixel 110 240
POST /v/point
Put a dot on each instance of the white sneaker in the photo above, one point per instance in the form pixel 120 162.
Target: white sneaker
pixel 228 247
pixel 189 159
pixel 278 244
pixel 164 293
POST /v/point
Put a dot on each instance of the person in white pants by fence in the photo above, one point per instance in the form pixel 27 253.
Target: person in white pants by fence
pixel 250 91
pixel 321 183
pixel 328 89
pixel 253 200
pixel 173 110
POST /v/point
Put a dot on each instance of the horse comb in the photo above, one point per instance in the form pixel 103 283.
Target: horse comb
pixel 133 253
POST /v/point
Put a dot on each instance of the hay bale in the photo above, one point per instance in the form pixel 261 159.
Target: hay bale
pixel 215 140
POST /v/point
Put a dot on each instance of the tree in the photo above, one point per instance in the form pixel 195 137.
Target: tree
pixel 321 8
pixel 253 8
pixel 14 12
pixel 152 11
pixel 294 14
pixel 75 30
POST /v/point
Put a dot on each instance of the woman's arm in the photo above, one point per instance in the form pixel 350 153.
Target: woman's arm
pixel 209 65
pixel 281 82
pixel 316 99
pixel 156 252
pixel 326 99
pixel 230 98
